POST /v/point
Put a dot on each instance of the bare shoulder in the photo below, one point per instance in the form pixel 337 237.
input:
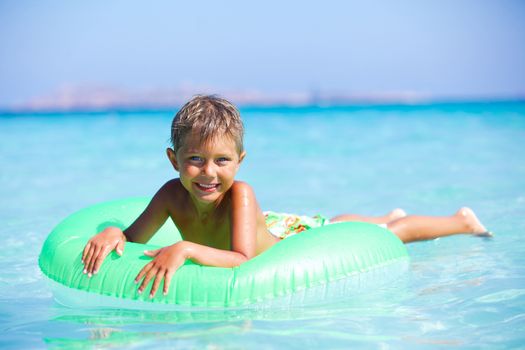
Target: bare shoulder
pixel 243 196
pixel 242 189
pixel 172 186
pixel 172 193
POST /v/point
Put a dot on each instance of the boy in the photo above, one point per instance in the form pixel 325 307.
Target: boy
pixel 219 219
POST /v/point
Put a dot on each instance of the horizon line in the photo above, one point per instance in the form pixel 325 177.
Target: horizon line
pixel 348 103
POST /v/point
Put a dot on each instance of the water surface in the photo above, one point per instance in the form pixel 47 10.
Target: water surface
pixel 458 292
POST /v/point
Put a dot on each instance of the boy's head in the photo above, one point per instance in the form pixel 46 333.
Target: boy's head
pixel 208 117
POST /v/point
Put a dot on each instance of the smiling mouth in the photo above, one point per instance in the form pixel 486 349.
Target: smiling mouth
pixel 206 187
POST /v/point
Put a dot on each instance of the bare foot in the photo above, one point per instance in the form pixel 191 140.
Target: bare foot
pixel 395 214
pixel 472 223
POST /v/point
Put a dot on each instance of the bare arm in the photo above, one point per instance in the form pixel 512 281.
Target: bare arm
pixel 168 259
pixel 243 216
pixel 243 244
pixel 152 218
pixel 113 238
pixel 243 220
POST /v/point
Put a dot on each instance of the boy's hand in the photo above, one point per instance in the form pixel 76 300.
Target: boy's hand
pixel 166 261
pixel 99 246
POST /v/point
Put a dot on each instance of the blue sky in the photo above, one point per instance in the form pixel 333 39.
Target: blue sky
pixel 443 48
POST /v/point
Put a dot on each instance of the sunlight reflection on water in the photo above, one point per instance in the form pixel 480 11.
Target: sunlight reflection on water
pixel 459 291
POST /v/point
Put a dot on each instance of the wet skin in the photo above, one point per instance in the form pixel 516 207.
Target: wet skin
pixel 219 218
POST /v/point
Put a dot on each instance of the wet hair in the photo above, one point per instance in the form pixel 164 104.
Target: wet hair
pixel 208 116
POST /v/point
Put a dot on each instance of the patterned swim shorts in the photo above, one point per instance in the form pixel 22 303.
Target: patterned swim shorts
pixel 282 225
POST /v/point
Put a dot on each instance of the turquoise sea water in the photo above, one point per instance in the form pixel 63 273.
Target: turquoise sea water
pixel 459 291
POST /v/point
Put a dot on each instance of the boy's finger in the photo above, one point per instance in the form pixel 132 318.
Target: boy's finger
pixel 86 249
pixel 152 253
pixel 156 283
pixel 120 247
pixel 92 261
pixel 100 259
pixel 142 272
pixel 167 281
pixel 87 260
pixel 149 275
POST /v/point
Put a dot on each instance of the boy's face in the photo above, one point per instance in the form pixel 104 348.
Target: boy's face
pixel 207 170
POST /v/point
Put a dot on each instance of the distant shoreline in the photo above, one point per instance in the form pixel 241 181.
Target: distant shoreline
pixel 277 106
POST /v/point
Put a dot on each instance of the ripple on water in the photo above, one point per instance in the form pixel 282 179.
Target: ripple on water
pixel 504 295
pixel 462 291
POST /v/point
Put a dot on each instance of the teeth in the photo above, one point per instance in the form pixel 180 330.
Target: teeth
pixel 207 186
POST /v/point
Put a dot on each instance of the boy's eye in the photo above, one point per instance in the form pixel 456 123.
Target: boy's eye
pixel 195 159
pixel 223 160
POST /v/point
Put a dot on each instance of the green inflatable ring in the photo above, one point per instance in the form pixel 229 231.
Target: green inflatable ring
pixel 313 265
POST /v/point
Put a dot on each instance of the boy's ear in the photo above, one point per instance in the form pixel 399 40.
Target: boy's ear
pixel 241 156
pixel 173 158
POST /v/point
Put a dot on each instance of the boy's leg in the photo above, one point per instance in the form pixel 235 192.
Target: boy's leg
pixel 393 215
pixel 420 228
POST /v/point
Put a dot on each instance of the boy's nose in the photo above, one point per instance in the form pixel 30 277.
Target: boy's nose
pixel 208 169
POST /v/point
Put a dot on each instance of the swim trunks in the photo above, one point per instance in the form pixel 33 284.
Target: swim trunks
pixel 282 225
